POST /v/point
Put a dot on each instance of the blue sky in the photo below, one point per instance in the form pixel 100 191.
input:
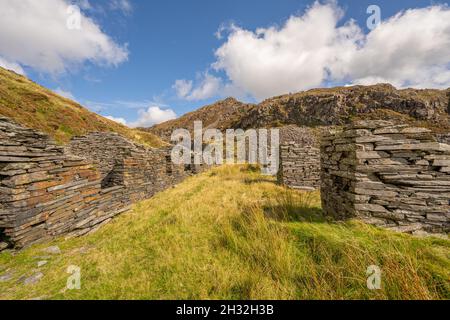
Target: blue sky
pixel 172 40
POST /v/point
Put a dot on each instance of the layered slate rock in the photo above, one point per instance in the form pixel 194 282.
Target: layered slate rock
pixel 104 149
pixel 47 191
pixel 387 174
pixel 299 159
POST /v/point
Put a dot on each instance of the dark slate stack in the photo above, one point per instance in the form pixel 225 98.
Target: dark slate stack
pixel 103 148
pixel 48 191
pixel 389 175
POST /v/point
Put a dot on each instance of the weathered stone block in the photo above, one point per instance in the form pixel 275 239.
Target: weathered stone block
pixel 403 184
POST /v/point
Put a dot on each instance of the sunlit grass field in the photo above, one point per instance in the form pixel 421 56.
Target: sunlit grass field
pixel 231 233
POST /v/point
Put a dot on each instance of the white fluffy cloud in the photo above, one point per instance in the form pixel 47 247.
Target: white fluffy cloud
pixel 207 87
pixel 153 115
pixel 35 34
pixel 411 49
pixel 11 66
pixel 118 120
pixel 294 57
pixel 183 88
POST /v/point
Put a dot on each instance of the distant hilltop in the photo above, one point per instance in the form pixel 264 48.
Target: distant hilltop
pixel 323 107
pixel 41 109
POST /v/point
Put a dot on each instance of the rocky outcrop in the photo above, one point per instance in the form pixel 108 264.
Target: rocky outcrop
pixel 338 106
pixel 323 107
pixel 389 175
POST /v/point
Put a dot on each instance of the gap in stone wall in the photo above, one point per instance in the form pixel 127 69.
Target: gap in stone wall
pixel 4 240
pixel 111 178
pixel 169 169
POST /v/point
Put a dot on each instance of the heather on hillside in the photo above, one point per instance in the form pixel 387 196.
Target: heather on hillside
pixel 36 107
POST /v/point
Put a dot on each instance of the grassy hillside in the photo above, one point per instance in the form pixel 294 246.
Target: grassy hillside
pixel 252 239
pixel 222 115
pixel 39 108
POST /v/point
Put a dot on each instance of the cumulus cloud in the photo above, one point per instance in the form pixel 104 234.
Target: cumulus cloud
pixel 11 66
pixel 35 34
pixel 410 49
pixel 118 120
pixel 123 5
pixel 208 86
pixel 182 88
pixel 153 115
pixel 296 56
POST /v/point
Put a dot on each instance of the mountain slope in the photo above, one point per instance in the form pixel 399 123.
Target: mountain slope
pixel 221 115
pixel 336 106
pixel 39 108
pixel 325 107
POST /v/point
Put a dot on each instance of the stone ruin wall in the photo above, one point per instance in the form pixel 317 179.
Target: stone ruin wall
pixel 299 159
pixel 103 149
pixel 46 191
pixel 389 175
pixel 444 138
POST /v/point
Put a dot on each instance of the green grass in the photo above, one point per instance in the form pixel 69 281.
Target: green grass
pixel 233 234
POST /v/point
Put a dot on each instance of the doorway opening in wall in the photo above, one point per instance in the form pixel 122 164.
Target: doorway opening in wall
pixel 113 177
pixel 169 169
pixel 4 240
pixel 107 181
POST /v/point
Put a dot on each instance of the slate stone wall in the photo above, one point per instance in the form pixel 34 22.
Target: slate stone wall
pixel 299 167
pixel 444 138
pixel 389 175
pixel 47 191
pixel 103 149
pixel 299 159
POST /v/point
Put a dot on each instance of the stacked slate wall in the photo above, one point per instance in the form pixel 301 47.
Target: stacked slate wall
pixel 47 191
pixel 389 175
pixel 444 138
pixel 299 159
pixel 103 149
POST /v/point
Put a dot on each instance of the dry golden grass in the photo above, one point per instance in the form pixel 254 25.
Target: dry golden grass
pixel 39 108
pixel 233 234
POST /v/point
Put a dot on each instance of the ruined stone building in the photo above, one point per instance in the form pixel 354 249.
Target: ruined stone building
pixel 48 190
pixel 389 175
pixel 386 174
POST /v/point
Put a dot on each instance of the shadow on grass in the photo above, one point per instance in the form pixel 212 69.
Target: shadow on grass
pixel 295 207
pixel 249 181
